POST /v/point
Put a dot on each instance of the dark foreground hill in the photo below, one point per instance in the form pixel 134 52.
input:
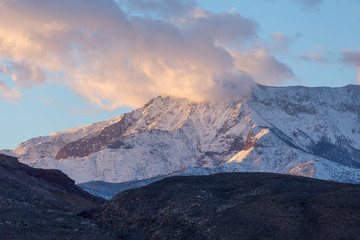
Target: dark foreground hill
pixel 45 204
pixel 42 204
pixel 236 206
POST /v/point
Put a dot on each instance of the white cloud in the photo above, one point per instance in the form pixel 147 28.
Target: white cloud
pixel 113 58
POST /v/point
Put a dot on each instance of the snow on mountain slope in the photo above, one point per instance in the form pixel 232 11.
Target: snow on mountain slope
pixel 44 149
pixel 313 132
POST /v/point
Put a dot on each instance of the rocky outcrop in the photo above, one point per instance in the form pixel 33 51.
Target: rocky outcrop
pixel 250 142
pixel 83 147
pixel 235 206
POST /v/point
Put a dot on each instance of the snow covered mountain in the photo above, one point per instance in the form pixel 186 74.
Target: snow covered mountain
pixel 312 132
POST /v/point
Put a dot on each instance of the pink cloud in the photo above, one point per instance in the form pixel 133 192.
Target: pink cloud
pixel 24 74
pixel 279 42
pixel 9 94
pixel 313 56
pixel 264 68
pixel 113 58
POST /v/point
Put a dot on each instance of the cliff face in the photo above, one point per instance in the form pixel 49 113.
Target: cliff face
pixel 312 132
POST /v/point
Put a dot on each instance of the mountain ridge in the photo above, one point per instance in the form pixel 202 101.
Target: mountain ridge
pixel 313 132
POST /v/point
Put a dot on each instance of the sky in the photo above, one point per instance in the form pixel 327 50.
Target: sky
pixel 75 62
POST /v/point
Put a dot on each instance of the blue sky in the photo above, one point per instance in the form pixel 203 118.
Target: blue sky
pixel 86 61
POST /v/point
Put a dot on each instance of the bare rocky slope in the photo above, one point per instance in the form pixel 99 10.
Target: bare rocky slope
pixel 43 204
pixel 313 132
pixel 235 206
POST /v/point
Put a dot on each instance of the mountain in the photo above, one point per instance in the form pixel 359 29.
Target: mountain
pixel 43 204
pixel 313 132
pixel 235 206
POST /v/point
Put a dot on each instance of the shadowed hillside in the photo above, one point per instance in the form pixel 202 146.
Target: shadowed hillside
pixel 236 206
pixel 43 204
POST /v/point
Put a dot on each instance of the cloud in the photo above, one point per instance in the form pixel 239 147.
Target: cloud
pixel 234 85
pixel 352 58
pixel 114 57
pixel 224 28
pixel 316 55
pixel 279 42
pixel 160 8
pixel 313 56
pixel 309 4
pixel 24 74
pixel 12 95
pixel 47 101
pixel 264 68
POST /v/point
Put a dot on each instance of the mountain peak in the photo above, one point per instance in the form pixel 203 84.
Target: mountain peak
pixel 277 129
